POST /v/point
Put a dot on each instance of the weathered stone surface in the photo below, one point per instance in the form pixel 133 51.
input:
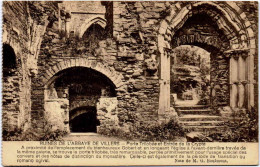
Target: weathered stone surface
pixel 225 112
pixel 127 50
pixel 197 137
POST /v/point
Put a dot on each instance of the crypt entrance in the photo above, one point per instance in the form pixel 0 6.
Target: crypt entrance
pixel 83 119
pixel 204 42
pixel 72 99
pixel 230 60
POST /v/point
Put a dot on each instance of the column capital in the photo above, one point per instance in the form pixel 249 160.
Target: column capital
pixel 236 52
pixel 233 83
pixel 244 55
pixel 242 82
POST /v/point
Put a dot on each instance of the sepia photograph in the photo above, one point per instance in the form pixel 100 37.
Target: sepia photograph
pixel 135 71
pixel 130 70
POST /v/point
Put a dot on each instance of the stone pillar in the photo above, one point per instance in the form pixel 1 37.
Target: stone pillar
pixel 241 95
pixel 164 99
pixel 109 15
pixel 64 19
pixel 233 71
pixel 250 83
pixel 238 78
pixel 241 67
pixel 162 82
pixel 168 77
pixel 242 79
pixel 107 113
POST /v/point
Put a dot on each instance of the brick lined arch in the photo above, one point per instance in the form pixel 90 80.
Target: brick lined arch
pixel 228 17
pixel 101 67
pixel 79 104
pixel 79 112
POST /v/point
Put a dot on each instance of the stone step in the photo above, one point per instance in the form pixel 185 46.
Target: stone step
pixel 189 107
pixel 193 117
pixel 205 128
pixel 195 111
pixel 201 123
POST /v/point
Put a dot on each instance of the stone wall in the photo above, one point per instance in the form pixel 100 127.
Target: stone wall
pixel 16 88
pixel 138 94
pixel 46 38
pixel 135 28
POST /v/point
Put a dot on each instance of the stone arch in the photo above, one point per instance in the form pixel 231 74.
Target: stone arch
pixel 76 111
pixel 59 100
pixel 11 78
pixel 231 21
pixel 9 60
pixel 79 104
pixel 79 112
pixel 101 67
pixel 228 20
pixel 100 20
pixel 191 33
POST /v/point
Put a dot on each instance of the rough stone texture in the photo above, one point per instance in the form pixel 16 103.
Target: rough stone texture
pixel 127 50
pixel 107 113
pixel 56 115
pixel 16 89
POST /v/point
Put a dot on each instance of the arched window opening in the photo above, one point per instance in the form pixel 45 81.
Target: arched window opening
pixel 94 34
pixel 9 61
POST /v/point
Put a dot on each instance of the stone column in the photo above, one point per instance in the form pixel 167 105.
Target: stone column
pixel 168 77
pixel 242 78
pixel 241 95
pixel 164 99
pixel 233 71
pixel 238 78
pixel 241 67
pixel 250 76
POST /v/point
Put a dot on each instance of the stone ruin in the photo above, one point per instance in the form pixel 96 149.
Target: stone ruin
pixel 110 61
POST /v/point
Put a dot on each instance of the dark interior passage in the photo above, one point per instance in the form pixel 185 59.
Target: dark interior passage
pixel 84 120
pixel 9 61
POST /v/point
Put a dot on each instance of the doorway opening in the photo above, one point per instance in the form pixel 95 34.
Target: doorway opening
pixel 72 98
pixel 190 76
pixel 84 119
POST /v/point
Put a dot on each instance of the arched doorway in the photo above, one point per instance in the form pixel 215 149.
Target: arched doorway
pixel 72 97
pixel 205 34
pixel 225 38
